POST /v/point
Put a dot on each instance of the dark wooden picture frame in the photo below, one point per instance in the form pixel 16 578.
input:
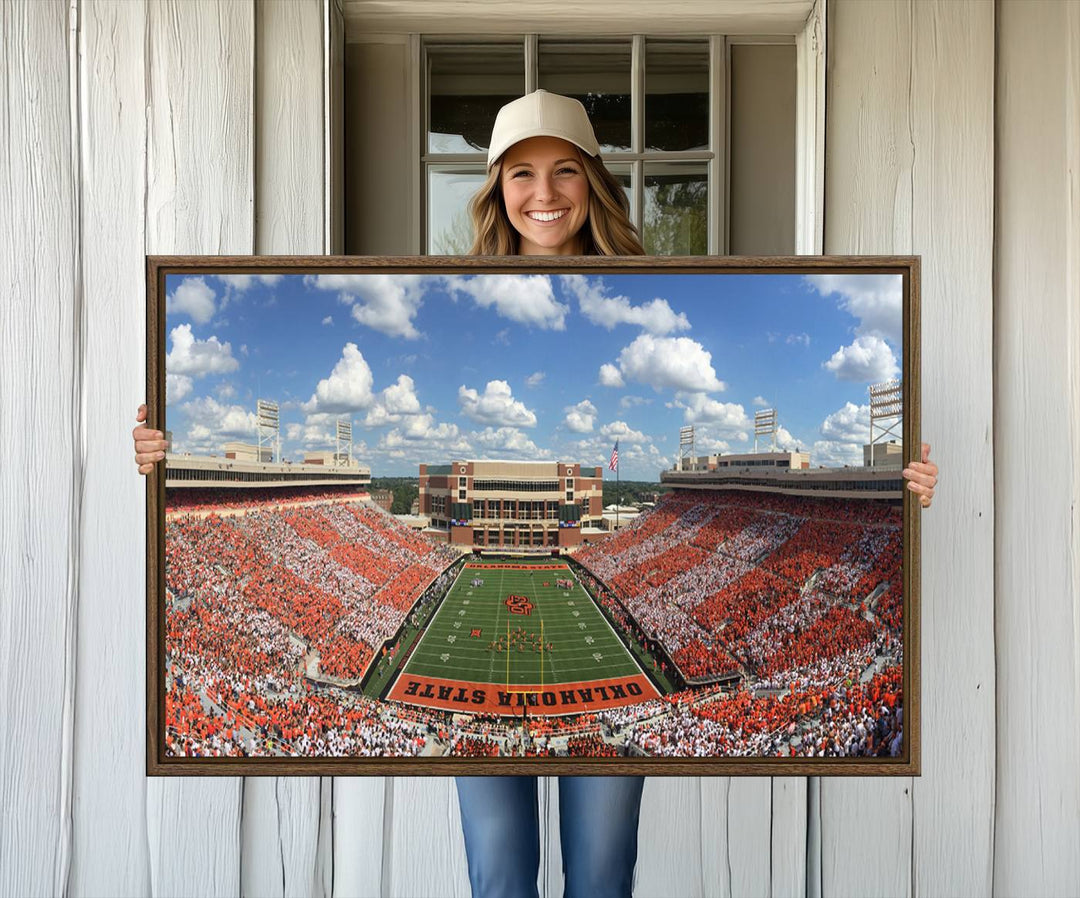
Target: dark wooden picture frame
pixel 808 706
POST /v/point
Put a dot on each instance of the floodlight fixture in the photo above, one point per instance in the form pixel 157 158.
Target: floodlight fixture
pixel 886 412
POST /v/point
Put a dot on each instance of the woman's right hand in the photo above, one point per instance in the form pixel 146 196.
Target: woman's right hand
pixel 150 445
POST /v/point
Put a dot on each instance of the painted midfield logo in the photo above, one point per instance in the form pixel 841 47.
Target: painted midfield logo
pixel 519 605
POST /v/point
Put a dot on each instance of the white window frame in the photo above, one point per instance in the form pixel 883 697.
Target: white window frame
pixel 809 42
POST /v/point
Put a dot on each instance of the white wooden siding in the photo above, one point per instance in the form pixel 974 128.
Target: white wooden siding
pixel 200 197
pixel 284 847
pixel 953 131
pixel 110 786
pixel 1036 449
pixel 41 447
pixel 909 152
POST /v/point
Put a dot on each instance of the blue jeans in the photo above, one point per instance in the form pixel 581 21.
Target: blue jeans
pixel 598 822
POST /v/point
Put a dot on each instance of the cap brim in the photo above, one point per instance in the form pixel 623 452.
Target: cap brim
pixel 496 152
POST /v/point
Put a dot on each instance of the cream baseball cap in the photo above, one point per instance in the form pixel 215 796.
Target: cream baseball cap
pixel 541 114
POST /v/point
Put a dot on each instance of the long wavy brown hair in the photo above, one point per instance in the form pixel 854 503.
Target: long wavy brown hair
pixel 607 231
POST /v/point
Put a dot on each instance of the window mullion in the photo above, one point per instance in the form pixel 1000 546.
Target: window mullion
pixel 422 233
pixel 718 167
pixel 637 129
pixel 532 63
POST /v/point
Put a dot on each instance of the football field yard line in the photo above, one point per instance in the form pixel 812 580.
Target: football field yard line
pixel 417 654
pixel 614 635
pixel 466 608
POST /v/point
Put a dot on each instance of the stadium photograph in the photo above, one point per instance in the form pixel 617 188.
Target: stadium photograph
pixel 613 517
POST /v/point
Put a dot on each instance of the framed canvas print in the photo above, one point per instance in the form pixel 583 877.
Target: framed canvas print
pixel 611 515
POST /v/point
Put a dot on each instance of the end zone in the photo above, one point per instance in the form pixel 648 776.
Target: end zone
pixel 486 698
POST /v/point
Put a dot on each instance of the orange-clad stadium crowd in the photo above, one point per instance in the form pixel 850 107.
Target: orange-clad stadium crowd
pixel 257 600
pixel 798 600
pixel 791 593
pixel 212 499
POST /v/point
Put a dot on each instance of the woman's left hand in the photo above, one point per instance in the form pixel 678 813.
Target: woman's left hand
pixel 922 477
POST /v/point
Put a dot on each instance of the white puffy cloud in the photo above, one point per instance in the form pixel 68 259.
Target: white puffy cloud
pixel 835 454
pixel 396 400
pixel 347 389
pixel 387 303
pixel 329 319
pixel 422 434
pixel 177 386
pixel 400 397
pixel 699 408
pixel 211 423
pixel 850 424
pixel 760 402
pixel 877 300
pixel 525 298
pixel 535 379
pixel 638 455
pixel 623 432
pixel 656 316
pixel 632 401
pixel 507 441
pixel 495 406
pixel 676 363
pixel 580 417
pixel 319 431
pixel 786 441
pixel 225 391
pixel 198 358
pixel 242 282
pixel 706 444
pixel 194 298
pixel 610 376
pixel 803 338
pixel 425 427
pixel 867 360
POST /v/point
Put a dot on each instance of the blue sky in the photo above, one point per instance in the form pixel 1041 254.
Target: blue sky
pixel 432 367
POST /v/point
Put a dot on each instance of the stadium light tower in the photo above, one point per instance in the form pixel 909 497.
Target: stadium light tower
pixel 343 453
pixel 268 427
pixel 686 446
pixel 886 404
pixel 765 426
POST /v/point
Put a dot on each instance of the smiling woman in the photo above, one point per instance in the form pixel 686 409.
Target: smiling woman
pixel 547 190
pixel 546 196
pixel 547 193
pixel 553 360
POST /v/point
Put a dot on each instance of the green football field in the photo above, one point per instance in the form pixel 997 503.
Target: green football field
pixel 582 644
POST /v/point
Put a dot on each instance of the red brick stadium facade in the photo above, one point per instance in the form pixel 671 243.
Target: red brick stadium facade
pixel 515 505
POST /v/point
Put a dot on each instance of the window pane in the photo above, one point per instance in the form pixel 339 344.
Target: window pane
pixel 467 85
pixel 762 160
pixel 449 192
pixel 624 176
pixel 676 209
pixel 676 95
pixel 597 74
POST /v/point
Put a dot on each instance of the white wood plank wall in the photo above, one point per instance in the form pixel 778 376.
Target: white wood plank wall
pixel 953 131
pixel 41 431
pixel 286 838
pixel 1037 450
pixel 909 169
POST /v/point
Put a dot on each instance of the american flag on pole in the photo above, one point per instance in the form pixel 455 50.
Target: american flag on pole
pixel 613 465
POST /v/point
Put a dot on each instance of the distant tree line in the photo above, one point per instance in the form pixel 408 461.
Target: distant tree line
pixel 631 492
pixel 405 490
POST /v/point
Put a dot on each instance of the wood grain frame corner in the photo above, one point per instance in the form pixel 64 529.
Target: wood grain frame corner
pixel 157 267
